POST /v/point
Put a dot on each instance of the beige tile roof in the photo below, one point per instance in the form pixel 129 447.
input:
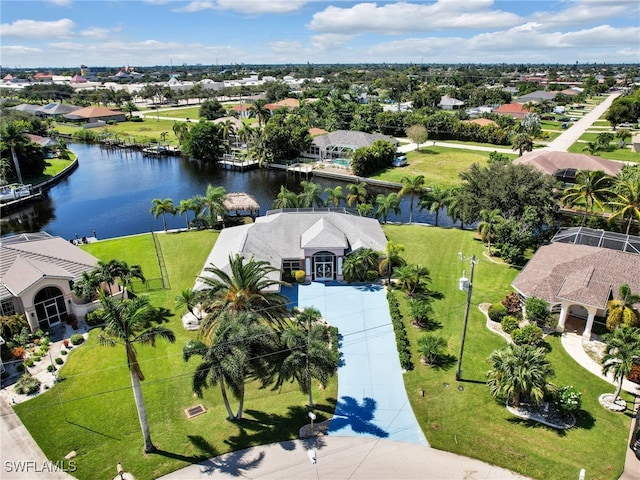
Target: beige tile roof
pixel 553 163
pixel 578 273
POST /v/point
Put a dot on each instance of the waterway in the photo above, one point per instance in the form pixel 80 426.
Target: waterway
pixel 111 193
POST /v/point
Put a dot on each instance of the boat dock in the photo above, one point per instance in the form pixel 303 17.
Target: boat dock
pixel 231 162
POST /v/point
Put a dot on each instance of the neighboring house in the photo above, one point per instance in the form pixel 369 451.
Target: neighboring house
pixel 78 79
pixel 537 97
pixel 95 114
pixel 314 241
pixel 483 122
pixel 288 103
pixel 564 165
pixel 56 110
pixel 37 272
pixel 27 107
pixel 579 272
pixel 243 110
pixel 342 143
pixel 515 110
pixel 635 143
pixel 572 92
pixel 49 145
pixel 450 103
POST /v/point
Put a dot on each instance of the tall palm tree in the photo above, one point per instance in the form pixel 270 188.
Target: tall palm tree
pixel 517 371
pixel 411 186
pixel 359 263
pixel 486 227
pixel 286 199
pixel 188 299
pixel 126 273
pixel 627 201
pixel 180 129
pixel 522 142
pixel 621 352
pixel 622 311
pixel 246 134
pixel 412 279
pixel 213 202
pixel 365 210
pixel 307 354
pixel 239 351
pixel 259 111
pixel 162 207
pixel 127 323
pixel 311 195
pixel 248 287
pixel 434 199
pixel 593 148
pixel 183 209
pixel 13 135
pixel 228 129
pixel 106 272
pixel 391 259
pixel 592 187
pixel 357 193
pixel 334 196
pixel 260 149
pixel 11 325
pixel 387 204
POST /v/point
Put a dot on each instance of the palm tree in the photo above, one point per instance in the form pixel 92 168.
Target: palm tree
pixel 365 210
pixel 259 111
pixel 106 272
pixel 592 187
pixel 522 142
pixel 358 193
pixel 627 203
pixel 286 199
pixel 183 209
pixel 11 325
pixel 188 299
pixel 622 311
pixel 621 352
pixel 412 279
pixel 359 263
pixel 238 352
pixel 311 195
pixel 13 135
pixel 412 186
pixel 213 202
pixel 246 134
pixel 334 196
pixel 248 287
pixel 434 199
pixel 180 129
pixel 87 287
pixel 486 227
pixel 162 207
pixel 126 273
pixel 228 129
pixel 307 354
pixel 387 204
pixel 127 323
pixel 261 150
pixel 623 134
pixel 517 371
pixel 391 259
pixel 593 148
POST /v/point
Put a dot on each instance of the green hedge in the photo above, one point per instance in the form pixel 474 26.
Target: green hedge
pixel 402 341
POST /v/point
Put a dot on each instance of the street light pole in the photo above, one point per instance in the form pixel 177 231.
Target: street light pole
pixel 466 316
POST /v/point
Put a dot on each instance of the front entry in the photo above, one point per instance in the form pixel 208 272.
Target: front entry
pixel 50 307
pixel 324 266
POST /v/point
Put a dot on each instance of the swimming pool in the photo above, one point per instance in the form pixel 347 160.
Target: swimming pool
pixel 343 162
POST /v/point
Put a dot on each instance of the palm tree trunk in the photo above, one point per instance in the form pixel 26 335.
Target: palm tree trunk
pixel 411 210
pixel 223 390
pixel 310 394
pixel 142 413
pixel 186 214
pixel 240 403
pixel 618 390
pixel 164 221
pixel 16 164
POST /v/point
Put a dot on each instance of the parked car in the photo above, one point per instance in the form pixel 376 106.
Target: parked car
pixel 626 125
pixel 400 161
pixel 564 119
pixel 635 441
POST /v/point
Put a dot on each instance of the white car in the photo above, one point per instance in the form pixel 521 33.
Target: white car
pixel 400 161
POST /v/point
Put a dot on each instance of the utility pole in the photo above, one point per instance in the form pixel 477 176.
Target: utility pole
pixel 466 314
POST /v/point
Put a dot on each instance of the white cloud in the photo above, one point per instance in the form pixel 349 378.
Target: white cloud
pixel 285 47
pixel 585 12
pixel 61 3
pixel 403 17
pixel 247 7
pixel 330 41
pixel 36 29
pixel 96 33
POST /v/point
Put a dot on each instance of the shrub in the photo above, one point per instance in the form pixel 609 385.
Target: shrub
pixel 37 357
pixel 18 352
pixel 20 367
pixel 568 399
pixel 77 339
pixel 299 275
pixel 432 348
pixel 63 352
pixel 536 309
pixel 59 361
pixel 512 303
pixel 509 324
pixel 372 275
pixel 94 318
pixel 497 311
pixel 402 341
pixel 528 335
pixel 136 119
pixel 27 385
pixel 29 362
pixel 51 368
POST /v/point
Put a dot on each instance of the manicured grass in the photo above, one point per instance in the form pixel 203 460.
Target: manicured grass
pixel 53 167
pixel 462 417
pixel 101 420
pixel 146 131
pixel 478 144
pixel 624 155
pixel 189 112
pixel 439 165
pixel 549 125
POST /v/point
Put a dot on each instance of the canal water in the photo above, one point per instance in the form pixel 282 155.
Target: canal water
pixel 111 192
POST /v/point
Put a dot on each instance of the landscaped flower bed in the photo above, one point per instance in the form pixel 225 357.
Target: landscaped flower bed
pixel 547 414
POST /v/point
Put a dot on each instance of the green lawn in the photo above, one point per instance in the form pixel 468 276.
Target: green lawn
pixel 146 131
pixel 188 112
pixel 439 165
pixel 469 421
pixel 624 155
pixel 101 421
pixel 53 167
pixel 549 125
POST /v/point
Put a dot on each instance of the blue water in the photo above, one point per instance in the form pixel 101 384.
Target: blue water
pixel 111 193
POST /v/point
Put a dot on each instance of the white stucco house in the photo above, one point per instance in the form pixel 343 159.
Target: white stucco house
pixel 579 272
pixel 37 272
pixel 316 241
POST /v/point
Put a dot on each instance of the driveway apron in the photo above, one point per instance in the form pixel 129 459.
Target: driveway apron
pixel 372 400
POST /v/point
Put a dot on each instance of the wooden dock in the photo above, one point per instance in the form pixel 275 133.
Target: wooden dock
pixel 238 164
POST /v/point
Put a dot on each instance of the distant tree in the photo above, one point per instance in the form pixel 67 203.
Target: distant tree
pixel 204 141
pixel 334 196
pixel 433 200
pixel 412 186
pixel 522 142
pixel 162 207
pixel 626 203
pixel 621 352
pixel 622 310
pixel 211 109
pixel 418 135
pixel 591 188
pixel 387 204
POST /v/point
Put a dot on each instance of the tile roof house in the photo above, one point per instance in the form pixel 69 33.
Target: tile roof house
pixel 37 272
pixel 342 143
pixel 515 110
pixel 450 103
pixel 316 241
pixel 564 165
pixel 580 271
pixel 93 114
pixel 483 122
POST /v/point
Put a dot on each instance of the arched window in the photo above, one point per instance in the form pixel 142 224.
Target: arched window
pixel 50 307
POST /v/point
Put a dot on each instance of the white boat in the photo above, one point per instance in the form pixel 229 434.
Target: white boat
pixel 14 191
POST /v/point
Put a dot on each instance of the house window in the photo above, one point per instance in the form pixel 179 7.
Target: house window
pixel 7 308
pixel 291 265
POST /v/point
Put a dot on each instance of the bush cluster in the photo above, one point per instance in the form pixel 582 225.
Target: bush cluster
pixel 59 361
pixel 94 318
pixel 402 341
pixel 496 312
pixel 528 335
pixel 568 399
pixel 509 324
pixel 77 339
pixel 27 385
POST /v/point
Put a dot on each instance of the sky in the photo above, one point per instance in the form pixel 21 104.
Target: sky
pixel 69 33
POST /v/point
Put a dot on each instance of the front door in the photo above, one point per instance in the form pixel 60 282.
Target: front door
pixel 323 266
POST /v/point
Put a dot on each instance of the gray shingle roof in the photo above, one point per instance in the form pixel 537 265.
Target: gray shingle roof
pixel 350 138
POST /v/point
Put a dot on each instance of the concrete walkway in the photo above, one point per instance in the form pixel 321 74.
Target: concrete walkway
pixel 409 147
